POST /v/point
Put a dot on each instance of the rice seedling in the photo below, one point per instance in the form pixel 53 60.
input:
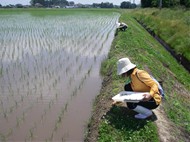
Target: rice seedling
pixel 17 122
pixel 31 135
pixel 5 114
pixel 3 138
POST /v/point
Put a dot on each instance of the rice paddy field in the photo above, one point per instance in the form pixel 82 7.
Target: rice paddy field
pixel 49 71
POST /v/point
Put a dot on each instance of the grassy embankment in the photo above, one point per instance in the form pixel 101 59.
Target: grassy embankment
pixel 146 53
pixel 172 25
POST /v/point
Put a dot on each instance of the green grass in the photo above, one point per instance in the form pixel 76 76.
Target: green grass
pixel 40 12
pixel 119 126
pixel 145 52
pixel 172 25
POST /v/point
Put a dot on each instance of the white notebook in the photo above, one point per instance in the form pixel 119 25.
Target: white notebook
pixel 129 96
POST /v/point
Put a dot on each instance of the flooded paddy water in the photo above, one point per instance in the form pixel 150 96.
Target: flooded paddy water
pixel 49 76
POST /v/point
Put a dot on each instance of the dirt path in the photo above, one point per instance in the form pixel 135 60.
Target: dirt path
pixel 165 127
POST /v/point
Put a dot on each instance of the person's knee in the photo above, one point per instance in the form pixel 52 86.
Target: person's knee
pixel 127 87
pixel 131 105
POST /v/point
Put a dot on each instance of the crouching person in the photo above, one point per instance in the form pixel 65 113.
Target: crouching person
pixel 140 81
pixel 122 26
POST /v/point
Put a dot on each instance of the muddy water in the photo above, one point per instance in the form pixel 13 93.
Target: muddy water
pixel 50 73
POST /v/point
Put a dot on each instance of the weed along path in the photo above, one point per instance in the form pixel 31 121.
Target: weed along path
pixel 50 63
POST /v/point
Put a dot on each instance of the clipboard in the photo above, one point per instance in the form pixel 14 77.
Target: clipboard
pixel 129 96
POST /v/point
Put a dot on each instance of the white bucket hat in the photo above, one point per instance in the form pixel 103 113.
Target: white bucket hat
pixel 124 65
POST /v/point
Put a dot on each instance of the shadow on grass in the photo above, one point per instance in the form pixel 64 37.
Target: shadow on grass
pixel 119 124
pixel 123 118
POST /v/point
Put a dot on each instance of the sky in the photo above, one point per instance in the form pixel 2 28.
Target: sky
pixel 27 2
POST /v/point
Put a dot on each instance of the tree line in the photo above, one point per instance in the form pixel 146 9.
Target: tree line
pixel 165 3
pixel 124 4
pixel 47 3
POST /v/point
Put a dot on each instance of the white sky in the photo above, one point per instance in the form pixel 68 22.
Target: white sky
pixel 27 2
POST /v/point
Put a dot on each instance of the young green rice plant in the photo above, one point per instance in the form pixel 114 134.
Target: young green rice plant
pixel 11 109
pixel 60 117
pixel 9 133
pixel 43 114
pixel 80 67
pixel 1 71
pixel 74 92
pixel 50 104
pixel 71 79
pixel 51 138
pixel 31 133
pixel 17 122
pixel 1 103
pixel 56 96
pixel 89 70
pixel 3 138
pixel 23 116
pixel 63 139
pixel 65 108
pixel 5 114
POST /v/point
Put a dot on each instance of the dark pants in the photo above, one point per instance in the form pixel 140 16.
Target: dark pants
pixel 151 104
pixel 123 28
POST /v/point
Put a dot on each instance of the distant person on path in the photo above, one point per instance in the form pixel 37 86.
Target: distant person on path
pixel 122 26
pixel 139 81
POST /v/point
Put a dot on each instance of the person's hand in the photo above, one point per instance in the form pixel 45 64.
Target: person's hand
pixel 147 97
pixel 117 103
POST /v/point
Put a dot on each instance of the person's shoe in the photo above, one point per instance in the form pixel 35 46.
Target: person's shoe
pixel 143 112
pixel 142 116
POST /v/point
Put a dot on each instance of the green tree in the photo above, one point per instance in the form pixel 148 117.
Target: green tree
pixel 146 3
pixel 164 3
pixel 106 5
pixel 95 5
pixel 185 3
pixel 19 6
pixel 47 3
pixel 125 4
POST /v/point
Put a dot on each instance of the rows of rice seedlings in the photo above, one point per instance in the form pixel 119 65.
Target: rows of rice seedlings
pixel 41 57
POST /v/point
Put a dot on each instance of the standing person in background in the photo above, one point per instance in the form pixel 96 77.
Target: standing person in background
pixel 140 81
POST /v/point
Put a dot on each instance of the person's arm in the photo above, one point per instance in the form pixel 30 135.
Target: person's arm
pixel 146 79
